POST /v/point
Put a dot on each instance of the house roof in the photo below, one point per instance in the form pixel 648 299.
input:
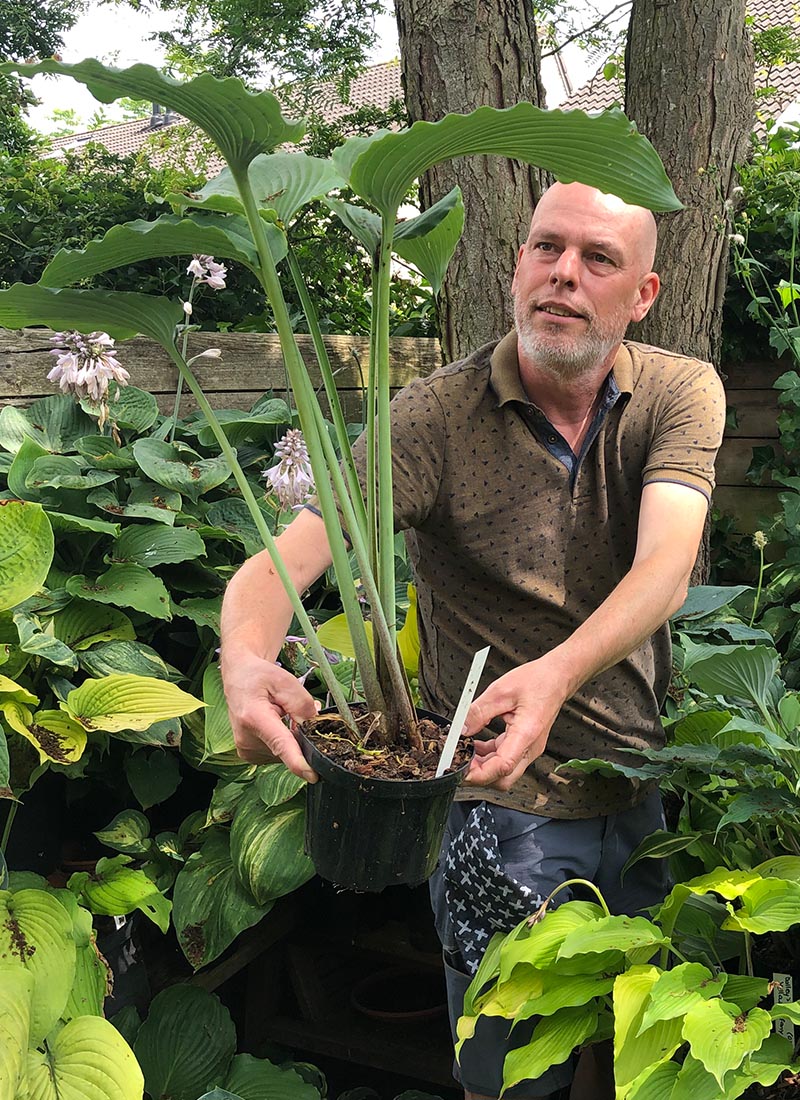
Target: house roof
pixel 783 80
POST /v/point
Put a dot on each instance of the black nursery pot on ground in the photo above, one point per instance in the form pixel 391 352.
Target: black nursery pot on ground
pixel 364 833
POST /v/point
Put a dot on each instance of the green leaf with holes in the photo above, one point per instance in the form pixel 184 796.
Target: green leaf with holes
pixel 180 468
pixel 26 551
pixel 152 544
pixel 124 586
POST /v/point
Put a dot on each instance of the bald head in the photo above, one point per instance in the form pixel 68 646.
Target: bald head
pixel 635 225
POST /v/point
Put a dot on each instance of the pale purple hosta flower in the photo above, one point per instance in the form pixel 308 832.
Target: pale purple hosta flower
pixel 291 480
pixel 205 269
pixel 86 365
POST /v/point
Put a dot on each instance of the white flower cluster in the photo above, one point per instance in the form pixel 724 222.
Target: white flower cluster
pixel 291 480
pixel 86 364
pixel 205 269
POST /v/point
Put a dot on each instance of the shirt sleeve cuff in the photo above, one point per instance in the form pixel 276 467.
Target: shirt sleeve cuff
pixel 680 477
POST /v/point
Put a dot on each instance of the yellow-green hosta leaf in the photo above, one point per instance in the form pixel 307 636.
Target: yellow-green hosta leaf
pixel 36 935
pixel 83 624
pixel 786 867
pixel 55 736
pixel 678 989
pixel 408 635
pixel 11 690
pixel 16 997
pixel 335 635
pixel 790 1011
pixel 768 905
pixel 554 1039
pixel 115 889
pixel 720 1036
pixel 87 1060
pixel 539 944
pixel 127 702
pixel 18 717
pixel 93 977
pixel 218 734
pixel 559 991
pixel 655 1083
pixel 26 551
pixel 636 1049
pixel 617 933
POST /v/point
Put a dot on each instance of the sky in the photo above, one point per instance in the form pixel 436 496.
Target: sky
pixel 119 36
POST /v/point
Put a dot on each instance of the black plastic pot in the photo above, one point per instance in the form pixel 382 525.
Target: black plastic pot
pixel 367 834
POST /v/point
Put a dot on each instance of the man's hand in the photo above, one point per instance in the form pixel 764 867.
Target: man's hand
pixel 260 694
pixel 528 700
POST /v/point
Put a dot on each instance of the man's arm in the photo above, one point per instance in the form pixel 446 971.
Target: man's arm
pixel 256 614
pixel 528 698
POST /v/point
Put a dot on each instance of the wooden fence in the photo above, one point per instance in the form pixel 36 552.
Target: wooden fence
pixel 251 363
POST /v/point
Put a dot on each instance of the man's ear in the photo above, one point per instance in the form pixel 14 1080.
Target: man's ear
pixel 516 269
pixel 648 292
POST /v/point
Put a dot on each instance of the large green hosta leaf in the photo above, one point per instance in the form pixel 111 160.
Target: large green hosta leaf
pixel 61 472
pixel 153 776
pixel 122 314
pixel 115 889
pixel 168 235
pixel 186 1043
pixel 54 422
pixel 241 123
pixel 180 468
pixel 16 996
pixel 281 182
pixel 745 672
pixel 210 906
pixel 36 935
pixel 83 623
pixel 603 151
pixel 87 1060
pixel 267 846
pixel 218 734
pixel 123 701
pixel 125 585
pixel 26 551
pixel 123 657
pixel 151 544
pixel 255 1078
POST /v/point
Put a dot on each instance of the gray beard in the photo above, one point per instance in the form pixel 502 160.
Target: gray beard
pixel 570 358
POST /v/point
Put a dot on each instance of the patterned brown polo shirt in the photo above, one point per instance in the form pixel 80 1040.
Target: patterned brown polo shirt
pixel 513 549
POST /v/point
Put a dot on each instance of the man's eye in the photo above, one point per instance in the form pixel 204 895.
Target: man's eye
pixel 545 246
pixel 599 258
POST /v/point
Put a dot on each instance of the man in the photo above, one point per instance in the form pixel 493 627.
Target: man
pixel 555 487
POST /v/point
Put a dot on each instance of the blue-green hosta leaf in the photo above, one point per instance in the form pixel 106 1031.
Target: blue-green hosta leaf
pixel 721 1037
pixel 115 889
pixel 153 777
pixel 676 990
pixel 168 235
pixel 769 905
pixel 211 907
pixel 428 241
pixel 183 471
pixel 129 833
pixel 603 151
pixel 125 586
pixel 82 624
pixel 218 734
pixel 186 1044
pixel 61 472
pixel 267 846
pixel 281 182
pixel 149 545
pixel 121 702
pixel 36 935
pixel 759 802
pixel 704 599
pixel 233 515
pixel 129 407
pixel 242 124
pixel 16 995
pixel 122 314
pixel 62 522
pixel 554 1039
pixel 276 784
pixel 146 501
pixel 87 1060
pixel 29 451
pixel 101 451
pixel 109 657
pixel 202 612
pixel 744 672
pixel 253 1078
pixel 248 427
pixel 54 422
pixel 637 1047
pixel 26 551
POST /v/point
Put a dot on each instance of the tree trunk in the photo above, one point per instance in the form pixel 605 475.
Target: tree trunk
pixel 689 88
pixel 458 55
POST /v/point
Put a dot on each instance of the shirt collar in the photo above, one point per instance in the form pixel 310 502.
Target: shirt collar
pixel 506 383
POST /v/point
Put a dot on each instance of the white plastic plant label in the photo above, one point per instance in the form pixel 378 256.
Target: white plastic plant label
pixel 781 995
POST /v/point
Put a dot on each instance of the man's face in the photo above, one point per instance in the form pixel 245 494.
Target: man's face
pixel 581 277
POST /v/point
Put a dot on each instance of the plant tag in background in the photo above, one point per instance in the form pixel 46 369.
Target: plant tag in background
pixel 783 994
pixel 467 695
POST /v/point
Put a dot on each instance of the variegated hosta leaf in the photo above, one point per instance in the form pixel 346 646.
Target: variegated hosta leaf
pixel 210 906
pixel 129 833
pixel 186 1043
pixel 55 736
pixel 36 934
pixel 122 702
pixel 276 784
pixel 83 624
pixel 16 997
pixel 115 889
pixel 267 846
pixel 87 1060
pixel 218 734
pixel 26 551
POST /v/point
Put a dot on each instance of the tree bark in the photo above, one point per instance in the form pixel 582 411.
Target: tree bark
pixel 458 55
pixel 689 88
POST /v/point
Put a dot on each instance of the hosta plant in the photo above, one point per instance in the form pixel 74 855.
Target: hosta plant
pixel 243 215
pixel 688 1018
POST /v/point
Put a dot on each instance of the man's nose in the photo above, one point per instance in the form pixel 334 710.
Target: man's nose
pixel 566 271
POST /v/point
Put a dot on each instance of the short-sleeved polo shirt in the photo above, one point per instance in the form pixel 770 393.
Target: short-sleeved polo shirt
pixel 515 547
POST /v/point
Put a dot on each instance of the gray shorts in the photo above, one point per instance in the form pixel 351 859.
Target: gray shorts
pixel 540 853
